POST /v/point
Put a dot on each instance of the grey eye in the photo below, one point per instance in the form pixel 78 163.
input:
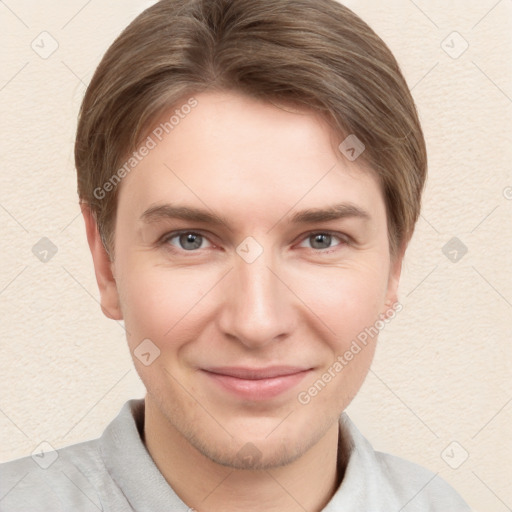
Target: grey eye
pixel 190 241
pixel 320 241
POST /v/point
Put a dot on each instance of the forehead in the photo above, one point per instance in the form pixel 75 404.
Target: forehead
pixel 234 151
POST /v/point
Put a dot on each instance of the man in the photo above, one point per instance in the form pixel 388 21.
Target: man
pixel 250 174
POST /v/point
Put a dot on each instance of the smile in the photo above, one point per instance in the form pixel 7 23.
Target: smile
pixel 256 383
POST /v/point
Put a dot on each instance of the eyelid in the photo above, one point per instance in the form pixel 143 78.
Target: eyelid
pixel 172 234
pixel 342 237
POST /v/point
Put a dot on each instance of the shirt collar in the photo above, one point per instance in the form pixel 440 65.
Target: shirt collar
pixel 134 471
pixel 131 466
pixel 364 485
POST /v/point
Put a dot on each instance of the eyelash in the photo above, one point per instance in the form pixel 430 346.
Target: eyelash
pixel 343 239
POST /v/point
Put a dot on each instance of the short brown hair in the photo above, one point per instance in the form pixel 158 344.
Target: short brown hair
pixel 314 53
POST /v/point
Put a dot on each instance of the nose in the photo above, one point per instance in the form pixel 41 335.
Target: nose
pixel 257 305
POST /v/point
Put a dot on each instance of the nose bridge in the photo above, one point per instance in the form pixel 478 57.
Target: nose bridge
pixel 255 309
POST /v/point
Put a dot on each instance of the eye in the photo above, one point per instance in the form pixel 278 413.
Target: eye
pixel 322 240
pixel 186 240
pixel 191 241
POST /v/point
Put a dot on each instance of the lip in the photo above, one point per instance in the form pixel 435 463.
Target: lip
pixel 256 383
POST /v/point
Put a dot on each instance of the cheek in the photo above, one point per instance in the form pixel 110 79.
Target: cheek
pixel 346 300
pixel 157 303
pixel 348 303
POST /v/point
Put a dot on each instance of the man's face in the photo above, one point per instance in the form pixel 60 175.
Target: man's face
pixel 230 304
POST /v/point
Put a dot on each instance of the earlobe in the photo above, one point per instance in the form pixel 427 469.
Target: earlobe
pixel 102 267
pixel 394 279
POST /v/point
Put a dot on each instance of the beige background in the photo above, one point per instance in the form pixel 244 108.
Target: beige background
pixel 443 370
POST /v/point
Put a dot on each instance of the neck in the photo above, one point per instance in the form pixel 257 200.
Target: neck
pixel 308 483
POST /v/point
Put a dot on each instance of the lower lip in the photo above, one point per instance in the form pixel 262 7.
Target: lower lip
pixel 260 389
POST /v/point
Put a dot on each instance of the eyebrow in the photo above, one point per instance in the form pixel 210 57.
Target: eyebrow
pixel 310 215
pixel 335 212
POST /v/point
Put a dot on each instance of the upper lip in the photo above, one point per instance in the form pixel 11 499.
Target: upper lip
pixel 256 373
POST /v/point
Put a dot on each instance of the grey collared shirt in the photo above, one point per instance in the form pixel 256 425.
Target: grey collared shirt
pixel 116 473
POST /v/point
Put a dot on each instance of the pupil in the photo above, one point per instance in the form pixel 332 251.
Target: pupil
pixel 195 240
pixel 326 239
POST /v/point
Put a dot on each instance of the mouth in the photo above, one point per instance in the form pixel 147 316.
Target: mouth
pixel 256 383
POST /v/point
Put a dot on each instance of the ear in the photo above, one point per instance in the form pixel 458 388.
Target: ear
pixel 102 267
pixel 394 278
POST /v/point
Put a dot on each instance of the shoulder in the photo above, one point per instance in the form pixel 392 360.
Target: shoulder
pixel 80 476
pixel 381 481
pixel 418 488
pixel 64 479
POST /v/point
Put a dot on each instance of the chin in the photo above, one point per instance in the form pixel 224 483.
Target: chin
pixel 256 456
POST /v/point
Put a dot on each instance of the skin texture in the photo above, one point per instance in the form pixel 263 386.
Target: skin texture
pixel 300 303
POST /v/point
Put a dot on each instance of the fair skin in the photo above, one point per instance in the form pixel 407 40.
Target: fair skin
pixel 299 304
